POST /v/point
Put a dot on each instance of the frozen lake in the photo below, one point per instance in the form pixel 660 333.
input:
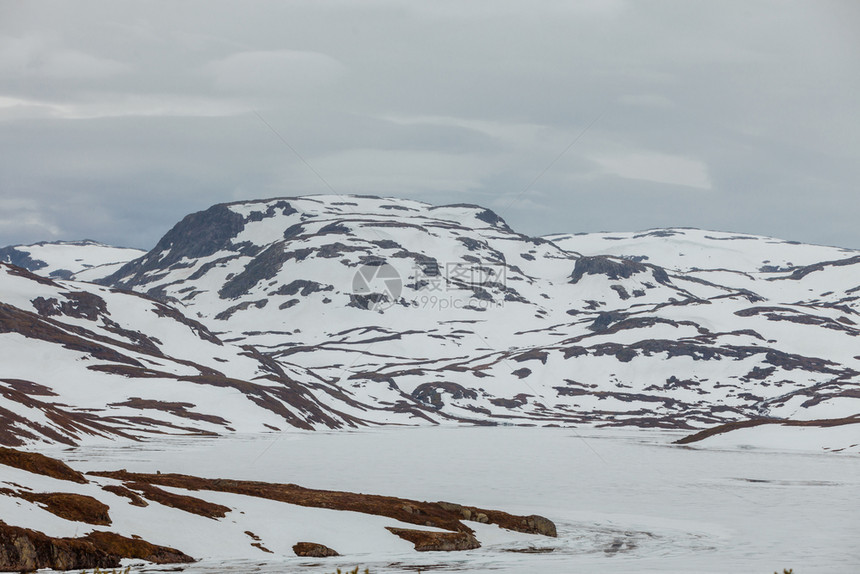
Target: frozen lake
pixel 623 501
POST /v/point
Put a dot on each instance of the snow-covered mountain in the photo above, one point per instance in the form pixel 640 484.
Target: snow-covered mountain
pixel 395 311
pixel 85 260
pixel 81 363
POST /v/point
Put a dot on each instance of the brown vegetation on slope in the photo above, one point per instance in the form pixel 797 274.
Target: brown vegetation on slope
pixel 40 464
pixel 178 409
pixel 16 429
pixel 123 491
pixel 179 501
pixel 123 547
pixel 724 428
pixel 25 550
pixel 74 507
pixel 446 516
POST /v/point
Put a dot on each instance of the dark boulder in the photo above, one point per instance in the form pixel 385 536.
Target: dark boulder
pixel 313 550
pixel 614 269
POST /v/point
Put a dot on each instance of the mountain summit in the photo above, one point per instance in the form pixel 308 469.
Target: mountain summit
pixel 351 310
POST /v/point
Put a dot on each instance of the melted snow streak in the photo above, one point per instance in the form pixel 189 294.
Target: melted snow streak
pixel 352 312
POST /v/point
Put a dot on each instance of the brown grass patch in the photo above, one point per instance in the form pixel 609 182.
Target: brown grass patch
pixel 446 516
pixel 40 464
pixel 123 491
pixel 177 409
pixel 422 513
pixel 727 427
pixel 74 507
pixel 180 501
pixel 135 548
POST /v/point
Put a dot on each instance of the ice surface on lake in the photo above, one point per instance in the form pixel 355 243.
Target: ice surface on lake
pixel 623 500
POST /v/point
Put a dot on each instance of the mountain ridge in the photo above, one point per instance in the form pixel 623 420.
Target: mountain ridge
pixel 417 314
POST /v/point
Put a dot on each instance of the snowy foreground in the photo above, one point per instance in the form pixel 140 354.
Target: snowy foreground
pixel 623 500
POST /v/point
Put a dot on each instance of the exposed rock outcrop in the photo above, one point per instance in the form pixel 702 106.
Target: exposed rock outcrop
pixel 198 235
pixel 532 524
pixel 313 549
pixel 612 268
pixel 123 547
pixel 24 550
pixel 428 541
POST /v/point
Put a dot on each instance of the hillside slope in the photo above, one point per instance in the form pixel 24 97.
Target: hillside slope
pixel 65 259
pixel 447 305
pixel 83 363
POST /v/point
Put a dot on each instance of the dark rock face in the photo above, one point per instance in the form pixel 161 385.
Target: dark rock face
pixel 431 393
pixel 485 215
pixel 198 328
pixel 227 313
pixel 301 286
pixel 61 274
pixel 541 525
pixel 20 259
pixel 265 266
pixel 367 301
pixel 599 265
pixel 513 403
pixel 334 228
pixel 522 373
pixel 313 549
pixel 198 235
pixel 532 524
pixel 622 292
pixel 25 550
pixel 802 272
pixel 606 319
pixel 283 207
pixel 79 305
pixel 491 217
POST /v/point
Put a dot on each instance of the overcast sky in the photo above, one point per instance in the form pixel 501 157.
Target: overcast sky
pixel 119 118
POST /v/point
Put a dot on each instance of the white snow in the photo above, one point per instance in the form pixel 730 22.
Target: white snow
pixel 623 501
pixel 735 328
pixel 77 256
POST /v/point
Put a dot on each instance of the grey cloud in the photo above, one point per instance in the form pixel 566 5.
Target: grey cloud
pixel 117 119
